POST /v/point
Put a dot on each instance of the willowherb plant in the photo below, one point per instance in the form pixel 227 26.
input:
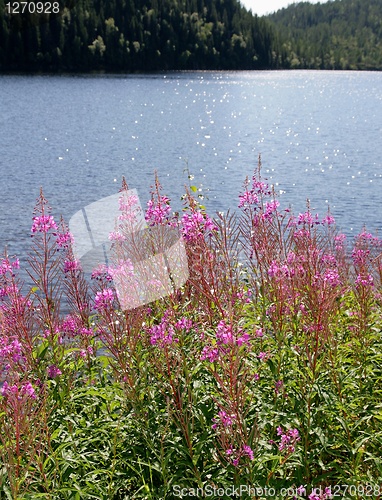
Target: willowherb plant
pixel 263 368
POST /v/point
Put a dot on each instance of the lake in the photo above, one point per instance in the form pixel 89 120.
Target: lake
pixel 319 134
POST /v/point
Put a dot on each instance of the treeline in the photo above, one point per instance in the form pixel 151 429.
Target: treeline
pixel 141 35
pixel 339 34
pixel 152 35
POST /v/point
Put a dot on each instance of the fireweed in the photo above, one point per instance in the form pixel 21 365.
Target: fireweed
pixel 263 369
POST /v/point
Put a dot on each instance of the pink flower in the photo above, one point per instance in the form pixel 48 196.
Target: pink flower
pixel 71 266
pixel 116 236
pixel 225 335
pixel 235 455
pixel 6 266
pixel 308 218
pixel 25 390
pixel 196 224
pixel 224 419
pixel 273 269
pixel 332 277
pixel 159 212
pixel 329 220
pixel 184 324
pixel 123 270
pixel 329 259
pixel 64 240
pixel 360 256
pixel 263 356
pixel 43 223
pixel 103 299
pixel 288 439
pixel 278 386
pixel 87 332
pixel 10 350
pixel 340 242
pixel 247 199
pixel 85 352
pixel 101 272
pixel 318 494
pixel 364 280
pixel 53 371
pixel 270 209
pixel 247 450
pixel 129 206
pixel 163 333
pixel 210 353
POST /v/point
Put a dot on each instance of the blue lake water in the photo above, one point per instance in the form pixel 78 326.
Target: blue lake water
pixel 319 134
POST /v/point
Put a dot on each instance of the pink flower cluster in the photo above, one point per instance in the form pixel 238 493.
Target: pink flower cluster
pixel 71 266
pixel 116 236
pixel 247 199
pixel 84 353
pixel 6 266
pixel 264 356
pixel 128 205
pixel 252 197
pixel 280 271
pixel 332 277
pixel 101 272
pixel 123 270
pixel 159 212
pixel 288 439
pixel 360 256
pixel 162 334
pixel 195 225
pixel 64 240
pixel 270 208
pixel 10 350
pixel 20 392
pixel 103 299
pixel 225 337
pixel 165 333
pixel 366 280
pixel 340 241
pixel 184 324
pixel 43 223
pixel 307 219
pixel 53 371
pixel 210 353
pixel 223 419
pixel 318 494
pixel 73 326
pixel 236 455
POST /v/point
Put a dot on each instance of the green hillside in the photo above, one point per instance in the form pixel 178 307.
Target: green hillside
pixel 140 35
pixel 160 35
pixel 339 34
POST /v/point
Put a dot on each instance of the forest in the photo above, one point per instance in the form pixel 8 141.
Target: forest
pixel 140 35
pixel 163 35
pixel 340 34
